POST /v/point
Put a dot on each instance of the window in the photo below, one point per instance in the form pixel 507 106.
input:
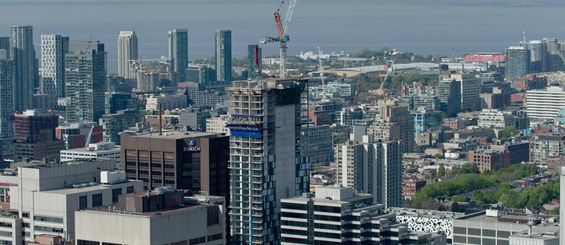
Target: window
pixel 115 194
pixel 4 224
pixel 48 219
pixel 84 242
pixel 503 234
pixel 129 189
pixel 459 230
pixel 97 200
pixel 475 232
pixel 491 233
pixel 5 233
pixel 82 203
pixel 198 240
pixel 49 229
pixel 474 240
pixel 213 215
pixel 214 237
pixel 180 243
pixel 459 239
pixel 25 214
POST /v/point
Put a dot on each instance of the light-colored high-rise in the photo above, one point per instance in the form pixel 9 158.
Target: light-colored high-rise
pixel 23 55
pixel 544 104
pixel 265 163
pixel 85 80
pixel 223 55
pixel 53 50
pixel 127 51
pixel 178 51
pixel 6 104
pixel 372 167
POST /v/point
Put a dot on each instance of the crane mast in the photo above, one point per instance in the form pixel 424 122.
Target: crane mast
pixel 283 38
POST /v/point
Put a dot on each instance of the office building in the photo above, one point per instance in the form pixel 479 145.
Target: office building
pixel 78 135
pixel 497 227
pixel 371 167
pixel 166 102
pixel 449 91
pixel 265 162
pixel 5 44
pixel 544 147
pixel 115 102
pixel 34 133
pixel 429 221
pixel 189 161
pixel 337 215
pixel 493 118
pixel 487 159
pixel 53 50
pixel 218 125
pixel 538 56
pixel 178 52
pixel 85 83
pixel 114 124
pixel 203 98
pixel 106 150
pixel 317 144
pixel 22 54
pixel 517 62
pixel 223 55
pixel 6 105
pixel 194 119
pixel 149 81
pixel 29 124
pixel 158 217
pixel 44 197
pixel 127 52
pixel 470 90
pixel 544 104
pixel 254 60
pixel 394 123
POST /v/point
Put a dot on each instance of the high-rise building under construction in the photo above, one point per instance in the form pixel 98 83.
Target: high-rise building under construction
pixel 265 163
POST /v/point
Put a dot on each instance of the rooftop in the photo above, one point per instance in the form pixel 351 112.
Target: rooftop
pixel 175 135
pixel 115 211
pixel 85 187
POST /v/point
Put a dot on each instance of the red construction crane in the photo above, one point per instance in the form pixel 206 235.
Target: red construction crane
pixel 283 38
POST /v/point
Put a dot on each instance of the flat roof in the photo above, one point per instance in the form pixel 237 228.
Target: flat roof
pixel 175 135
pixel 95 187
pixel 111 210
pixel 86 150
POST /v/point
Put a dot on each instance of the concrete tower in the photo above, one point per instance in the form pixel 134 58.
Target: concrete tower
pixel 85 66
pixel 23 55
pixel 223 55
pixel 53 50
pixel 265 163
pixel 127 51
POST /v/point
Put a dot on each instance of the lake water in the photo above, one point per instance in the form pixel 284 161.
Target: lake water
pixel 333 25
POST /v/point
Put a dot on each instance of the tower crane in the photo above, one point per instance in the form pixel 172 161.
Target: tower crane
pixel 283 38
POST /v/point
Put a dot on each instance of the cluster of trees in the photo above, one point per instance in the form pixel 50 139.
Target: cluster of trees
pixel 489 187
pixel 532 197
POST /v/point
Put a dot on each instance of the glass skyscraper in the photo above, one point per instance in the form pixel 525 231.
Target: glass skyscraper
pixel 178 51
pixel 23 55
pixel 223 55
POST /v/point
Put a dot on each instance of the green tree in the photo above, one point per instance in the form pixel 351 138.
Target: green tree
pixel 509 131
pixel 441 170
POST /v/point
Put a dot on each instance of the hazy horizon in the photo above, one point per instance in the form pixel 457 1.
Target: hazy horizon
pixel 437 27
